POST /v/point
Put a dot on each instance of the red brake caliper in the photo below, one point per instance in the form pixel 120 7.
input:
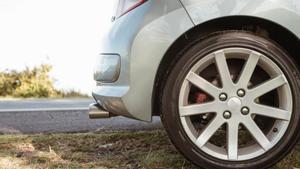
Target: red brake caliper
pixel 200 97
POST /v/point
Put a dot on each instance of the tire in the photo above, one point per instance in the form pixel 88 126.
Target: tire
pixel 190 128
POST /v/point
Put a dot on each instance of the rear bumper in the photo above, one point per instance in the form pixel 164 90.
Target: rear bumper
pixel 112 68
pixel 111 98
pixel 140 38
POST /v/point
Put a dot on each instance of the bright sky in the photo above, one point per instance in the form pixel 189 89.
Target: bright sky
pixel 64 33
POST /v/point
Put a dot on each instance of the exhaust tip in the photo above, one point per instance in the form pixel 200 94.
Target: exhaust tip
pixel 97 112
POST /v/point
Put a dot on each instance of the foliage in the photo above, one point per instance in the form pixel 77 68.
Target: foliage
pixel 31 83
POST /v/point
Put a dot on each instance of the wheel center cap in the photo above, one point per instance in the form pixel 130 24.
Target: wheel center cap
pixel 234 104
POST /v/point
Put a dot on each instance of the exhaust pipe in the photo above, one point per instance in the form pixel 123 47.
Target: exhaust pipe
pixel 96 111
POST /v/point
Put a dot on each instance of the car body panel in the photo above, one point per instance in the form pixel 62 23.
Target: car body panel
pixel 283 12
pixel 141 47
pixel 144 35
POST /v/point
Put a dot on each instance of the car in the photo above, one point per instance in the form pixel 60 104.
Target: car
pixel 223 75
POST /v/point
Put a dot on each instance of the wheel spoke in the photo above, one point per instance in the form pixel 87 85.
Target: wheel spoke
pixel 209 131
pixel 267 86
pixel 223 69
pixel 198 109
pixel 235 103
pixel 271 112
pixel 248 69
pixel 203 84
pixel 232 140
pixel 259 136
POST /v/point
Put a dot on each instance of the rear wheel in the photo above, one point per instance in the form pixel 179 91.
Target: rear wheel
pixel 230 102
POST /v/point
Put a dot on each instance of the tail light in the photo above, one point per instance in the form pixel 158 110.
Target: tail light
pixel 125 6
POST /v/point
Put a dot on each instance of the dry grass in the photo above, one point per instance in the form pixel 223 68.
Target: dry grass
pixel 144 149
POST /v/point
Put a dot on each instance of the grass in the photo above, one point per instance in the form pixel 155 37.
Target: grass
pixel 123 149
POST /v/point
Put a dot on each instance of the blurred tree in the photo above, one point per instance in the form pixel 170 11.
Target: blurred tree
pixel 34 82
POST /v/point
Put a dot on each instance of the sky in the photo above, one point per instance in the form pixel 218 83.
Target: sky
pixel 64 33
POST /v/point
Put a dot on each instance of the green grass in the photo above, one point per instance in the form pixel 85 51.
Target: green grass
pixel 126 149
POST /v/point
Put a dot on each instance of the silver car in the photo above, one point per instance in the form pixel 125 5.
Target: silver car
pixel 222 74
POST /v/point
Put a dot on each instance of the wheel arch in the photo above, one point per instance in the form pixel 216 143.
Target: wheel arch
pixel 262 27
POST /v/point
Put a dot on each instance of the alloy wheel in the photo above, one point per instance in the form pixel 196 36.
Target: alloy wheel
pixel 239 116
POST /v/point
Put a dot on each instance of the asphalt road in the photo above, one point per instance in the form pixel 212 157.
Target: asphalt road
pixel 56 116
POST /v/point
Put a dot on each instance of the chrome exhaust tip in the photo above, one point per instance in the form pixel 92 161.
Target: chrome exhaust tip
pixel 97 112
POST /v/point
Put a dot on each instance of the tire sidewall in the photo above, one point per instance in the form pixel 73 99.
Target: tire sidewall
pixel 184 62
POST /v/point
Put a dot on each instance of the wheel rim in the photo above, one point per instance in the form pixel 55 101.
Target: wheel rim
pixel 236 105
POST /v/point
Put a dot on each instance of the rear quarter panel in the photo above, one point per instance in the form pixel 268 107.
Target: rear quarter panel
pixel 165 21
pixel 283 12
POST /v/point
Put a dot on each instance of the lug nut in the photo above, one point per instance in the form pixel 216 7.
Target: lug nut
pixel 227 115
pixel 223 96
pixel 241 93
pixel 245 110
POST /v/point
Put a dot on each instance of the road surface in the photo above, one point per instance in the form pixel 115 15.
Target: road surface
pixel 63 115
